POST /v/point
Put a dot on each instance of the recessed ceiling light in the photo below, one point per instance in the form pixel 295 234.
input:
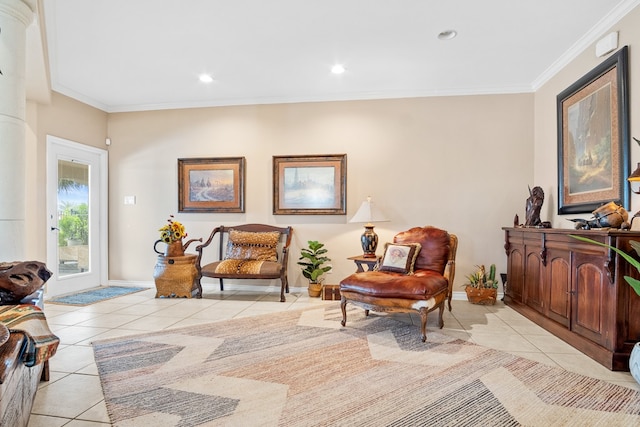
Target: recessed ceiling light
pixel 338 69
pixel 205 78
pixel 447 35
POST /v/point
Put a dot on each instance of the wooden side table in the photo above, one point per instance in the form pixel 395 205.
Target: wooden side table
pixel 176 276
pixel 362 261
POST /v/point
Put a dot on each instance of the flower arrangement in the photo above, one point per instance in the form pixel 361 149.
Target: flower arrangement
pixel 172 232
pixel 481 279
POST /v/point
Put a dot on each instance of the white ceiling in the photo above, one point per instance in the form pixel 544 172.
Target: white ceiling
pixel 132 55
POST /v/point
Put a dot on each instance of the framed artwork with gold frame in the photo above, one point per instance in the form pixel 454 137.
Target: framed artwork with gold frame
pixel 213 184
pixel 310 185
pixel 593 138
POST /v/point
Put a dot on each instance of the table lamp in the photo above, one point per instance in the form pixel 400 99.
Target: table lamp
pixel 634 184
pixel 368 213
pixel 634 180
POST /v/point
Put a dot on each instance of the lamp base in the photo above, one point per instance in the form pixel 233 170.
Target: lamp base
pixel 369 241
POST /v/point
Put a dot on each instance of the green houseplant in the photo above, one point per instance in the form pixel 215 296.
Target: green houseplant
pixel 74 225
pixel 483 286
pixel 313 261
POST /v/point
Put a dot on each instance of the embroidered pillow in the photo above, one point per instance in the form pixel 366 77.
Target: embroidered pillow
pixel 253 245
pixel 399 258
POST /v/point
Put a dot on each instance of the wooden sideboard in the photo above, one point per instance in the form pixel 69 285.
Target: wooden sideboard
pixel 576 290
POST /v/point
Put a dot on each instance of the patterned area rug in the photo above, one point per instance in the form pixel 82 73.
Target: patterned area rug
pixel 301 368
pixel 93 296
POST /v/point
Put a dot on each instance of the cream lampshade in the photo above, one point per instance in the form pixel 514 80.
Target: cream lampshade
pixel 634 180
pixel 368 213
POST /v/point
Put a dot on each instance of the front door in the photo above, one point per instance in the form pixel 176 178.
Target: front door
pixel 76 216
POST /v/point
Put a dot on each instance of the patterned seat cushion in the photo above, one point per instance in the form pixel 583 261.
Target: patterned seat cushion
pixel 234 267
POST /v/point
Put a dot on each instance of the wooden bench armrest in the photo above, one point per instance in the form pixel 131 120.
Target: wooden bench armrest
pixel 199 249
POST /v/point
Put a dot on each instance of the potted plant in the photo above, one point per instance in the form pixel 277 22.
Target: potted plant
pixel 312 260
pixel 482 287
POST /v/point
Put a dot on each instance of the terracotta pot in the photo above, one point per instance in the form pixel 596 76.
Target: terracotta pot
pixel 482 296
pixel 315 289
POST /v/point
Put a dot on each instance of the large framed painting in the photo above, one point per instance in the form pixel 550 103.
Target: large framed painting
pixel 211 184
pixel 310 185
pixel 593 138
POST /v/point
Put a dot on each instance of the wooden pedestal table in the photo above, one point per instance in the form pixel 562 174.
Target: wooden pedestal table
pixel 176 276
pixel 361 261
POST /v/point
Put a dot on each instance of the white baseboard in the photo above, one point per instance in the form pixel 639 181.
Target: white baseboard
pixel 457 295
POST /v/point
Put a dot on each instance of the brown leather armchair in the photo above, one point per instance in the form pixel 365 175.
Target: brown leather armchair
pixel 423 289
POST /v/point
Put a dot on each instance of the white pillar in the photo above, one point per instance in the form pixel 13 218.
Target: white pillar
pixel 15 16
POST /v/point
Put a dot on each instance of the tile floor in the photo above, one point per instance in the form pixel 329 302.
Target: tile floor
pixel 73 396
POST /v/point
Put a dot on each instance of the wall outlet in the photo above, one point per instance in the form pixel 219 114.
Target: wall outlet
pixel 129 200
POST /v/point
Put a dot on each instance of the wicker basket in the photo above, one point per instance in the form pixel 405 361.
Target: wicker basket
pixel 315 289
pixel 175 276
pixel 482 296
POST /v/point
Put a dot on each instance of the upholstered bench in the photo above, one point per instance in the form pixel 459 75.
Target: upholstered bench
pixel 249 251
pixel 26 344
pixel 415 275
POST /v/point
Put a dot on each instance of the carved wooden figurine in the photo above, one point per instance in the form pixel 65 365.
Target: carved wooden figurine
pixel 21 278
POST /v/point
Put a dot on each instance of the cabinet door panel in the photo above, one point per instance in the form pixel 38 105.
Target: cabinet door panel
pixel 515 270
pixel 587 317
pixel 559 287
pixel 532 283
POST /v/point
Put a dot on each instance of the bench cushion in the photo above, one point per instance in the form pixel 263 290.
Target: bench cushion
pixel 423 284
pixel 247 245
pixel 242 267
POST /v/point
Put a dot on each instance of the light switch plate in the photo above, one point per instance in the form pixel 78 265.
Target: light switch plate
pixel 129 200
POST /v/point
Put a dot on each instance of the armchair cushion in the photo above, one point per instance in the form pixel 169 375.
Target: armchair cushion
pixel 424 284
pixel 249 245
pixel 399 258
pixel 435 247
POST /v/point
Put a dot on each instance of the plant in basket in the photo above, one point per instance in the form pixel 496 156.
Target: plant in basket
pixel 482 287
pixel 313 261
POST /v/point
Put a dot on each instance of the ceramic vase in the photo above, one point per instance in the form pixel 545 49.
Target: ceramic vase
pixel 634 362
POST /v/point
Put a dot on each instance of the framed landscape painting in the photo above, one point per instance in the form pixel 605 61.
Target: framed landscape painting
pixel 593 138
pixel 211 184
pixel 310 185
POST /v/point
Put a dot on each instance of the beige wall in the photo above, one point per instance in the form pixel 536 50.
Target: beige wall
pixel 65 118
pixel 460 163
pixel 545 173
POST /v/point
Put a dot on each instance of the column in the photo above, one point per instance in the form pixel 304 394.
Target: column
pixel 15 16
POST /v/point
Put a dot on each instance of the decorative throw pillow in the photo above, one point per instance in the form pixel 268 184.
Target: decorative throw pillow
pixel 261 246
pixel 399 258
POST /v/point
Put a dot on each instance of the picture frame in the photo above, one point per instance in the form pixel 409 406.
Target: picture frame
pixel 593 138
pixel 310 185
pixel 213 184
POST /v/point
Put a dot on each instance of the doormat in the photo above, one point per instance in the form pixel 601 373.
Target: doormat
pixel 93 296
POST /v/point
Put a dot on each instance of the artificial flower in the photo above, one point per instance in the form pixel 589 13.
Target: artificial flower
pixel 172 232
